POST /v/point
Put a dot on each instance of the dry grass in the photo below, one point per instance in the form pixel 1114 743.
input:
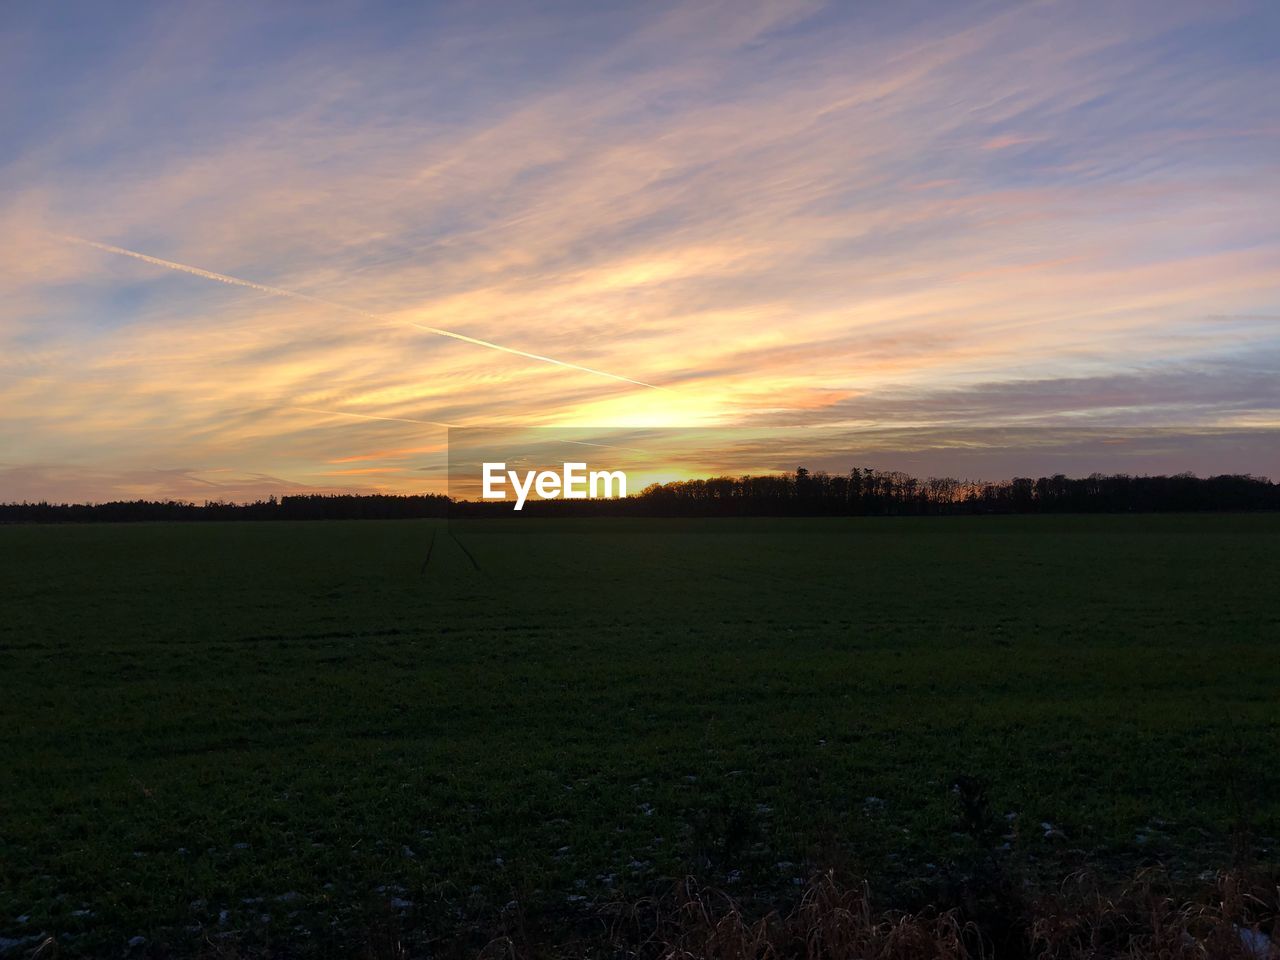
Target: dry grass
pixel 1232 919
pixel 830 922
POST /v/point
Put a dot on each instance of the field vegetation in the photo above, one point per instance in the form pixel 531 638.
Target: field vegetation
pixel 322 738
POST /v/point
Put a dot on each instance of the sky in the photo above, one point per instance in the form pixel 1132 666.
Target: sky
pixel 252 249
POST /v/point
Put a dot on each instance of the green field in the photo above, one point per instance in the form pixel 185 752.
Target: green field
pixel 281 733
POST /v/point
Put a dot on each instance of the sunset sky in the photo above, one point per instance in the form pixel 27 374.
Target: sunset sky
pixel 969 238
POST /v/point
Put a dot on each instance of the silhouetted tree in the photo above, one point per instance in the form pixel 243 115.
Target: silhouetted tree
pixel 862 492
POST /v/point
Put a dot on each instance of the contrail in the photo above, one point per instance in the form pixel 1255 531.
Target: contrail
pixel 354 311
pixel 608 446
pixel 370 416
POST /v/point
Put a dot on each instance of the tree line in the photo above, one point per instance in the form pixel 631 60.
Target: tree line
pixel 868 492
pixel 294 507
pixel 860 492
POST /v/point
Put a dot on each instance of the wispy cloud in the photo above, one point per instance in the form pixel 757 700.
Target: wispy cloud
pixel 343 308
pixel 796 212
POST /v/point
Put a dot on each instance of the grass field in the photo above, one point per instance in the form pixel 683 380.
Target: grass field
pixel 286 733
